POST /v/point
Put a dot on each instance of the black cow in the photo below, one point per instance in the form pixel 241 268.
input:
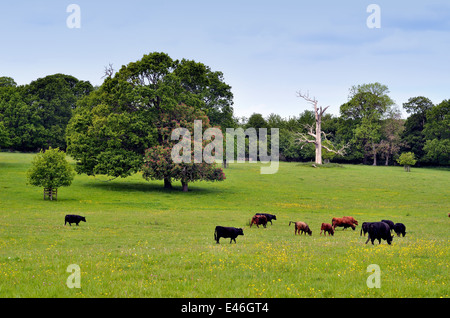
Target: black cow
pixel 379 231
pixel 365 228
pixel 390 223
pixel 73 219
pixel 269 217
pixel 400 228
pixel 227 232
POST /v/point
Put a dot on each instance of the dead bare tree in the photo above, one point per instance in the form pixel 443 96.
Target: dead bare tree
pixel 314 136
pixel 109 71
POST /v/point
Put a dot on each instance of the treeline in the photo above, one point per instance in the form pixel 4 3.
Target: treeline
pixel 371 128
pixel 35 116
pixel 120 118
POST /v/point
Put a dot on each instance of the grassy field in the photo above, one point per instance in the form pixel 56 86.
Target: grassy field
pixel 143 241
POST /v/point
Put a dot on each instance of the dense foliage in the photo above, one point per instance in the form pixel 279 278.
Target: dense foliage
pixel 50 169
pixel 108 130
pixel 158 163
pixel 35 116
pixel 112 127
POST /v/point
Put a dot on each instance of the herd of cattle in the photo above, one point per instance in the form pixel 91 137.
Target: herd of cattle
pixel 376 230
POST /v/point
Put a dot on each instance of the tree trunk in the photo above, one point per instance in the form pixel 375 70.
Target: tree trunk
pixel 185 186
pixel 318 142
pixel 167 183
pixel 374 151
pixel 386 163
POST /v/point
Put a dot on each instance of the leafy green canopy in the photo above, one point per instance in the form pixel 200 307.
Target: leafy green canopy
pixel 35 116
pixel 113 126
pixel 158 163
pixel 407 159
pixel 50 169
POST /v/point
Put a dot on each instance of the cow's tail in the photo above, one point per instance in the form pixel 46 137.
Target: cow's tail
pixel 360 232
pixel 215 234
pixel 291 222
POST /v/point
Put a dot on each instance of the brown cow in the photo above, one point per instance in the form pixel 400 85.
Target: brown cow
pixel 259 220
pixel 301 227
pixel 351 219
pixel 342 222
pixel 326 227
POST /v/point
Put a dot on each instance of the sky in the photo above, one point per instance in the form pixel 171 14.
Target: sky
pixel 267 50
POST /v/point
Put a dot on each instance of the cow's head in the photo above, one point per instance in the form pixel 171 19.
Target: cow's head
pixel 83 219
pixel 390 238
pixel 240 232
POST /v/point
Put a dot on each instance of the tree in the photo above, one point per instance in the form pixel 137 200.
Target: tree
pixel 159 163
pixel 391 130
pixel 52 99
pixel 112 127
pixel 36 115
pixel 438 151
pixel 51 170
pixel 316 133
pixel 437 134
pixel 4 138
pixel 407 159
pixel 367 104
pixel 413 137
pixel 7 82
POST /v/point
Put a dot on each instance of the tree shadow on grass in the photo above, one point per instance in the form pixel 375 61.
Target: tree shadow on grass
pixel 194 189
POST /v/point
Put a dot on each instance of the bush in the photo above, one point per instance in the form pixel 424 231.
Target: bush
pixel 407 159
pixel 50 170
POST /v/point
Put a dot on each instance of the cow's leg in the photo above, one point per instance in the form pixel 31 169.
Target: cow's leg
pixel 368 238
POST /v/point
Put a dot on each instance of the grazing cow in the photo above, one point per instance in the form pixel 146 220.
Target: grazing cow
pixel 344 222
pixel 301 227
pixel 365 228
pixel 326 227
pixel 73 219
pixel 400 228
pixel 351 219
pixel 227 232
pixel 390 223
pixel 379 231
pixel 259 220
pixel 269 217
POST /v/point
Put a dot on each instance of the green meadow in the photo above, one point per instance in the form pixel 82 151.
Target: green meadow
pixel 141 240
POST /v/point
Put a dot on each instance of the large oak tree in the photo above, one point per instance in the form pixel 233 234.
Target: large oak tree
pixel 112 128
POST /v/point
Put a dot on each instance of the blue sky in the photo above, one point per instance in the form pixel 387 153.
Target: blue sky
pixel 267 50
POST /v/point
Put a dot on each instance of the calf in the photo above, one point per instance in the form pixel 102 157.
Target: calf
pixel 73 219
pixel 259 220
pixel 326 227
pixel 227 232
pixel 269 217
pixel 301 227
pixel 379 231
pixel 344 222
pixel 400 228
